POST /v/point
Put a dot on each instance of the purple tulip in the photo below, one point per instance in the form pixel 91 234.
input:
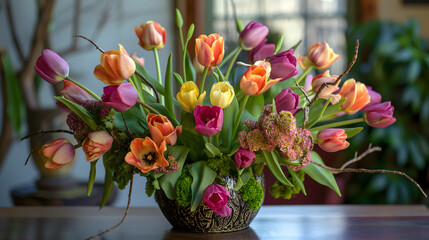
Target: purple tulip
pixel 208 120
pixel 73 93
pixel 51 67
pixel 252 35
pixel 286 100
pixel 380 115
pixel 120 97
pixel 375 98
pixel 261 51
pixel 283 65
pixel 244 158
pixel 216 197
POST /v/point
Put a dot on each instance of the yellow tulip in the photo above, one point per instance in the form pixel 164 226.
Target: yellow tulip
pixel 189 96
pixel 222 94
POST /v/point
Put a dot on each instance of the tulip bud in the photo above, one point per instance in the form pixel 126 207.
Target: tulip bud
pixel 189 97
pixel 161 129
pixel 243 158
pixel 96 145
pixel 261 52
pixel 252 35
pixel 283 65
pixel 73 93
pixel 209 50
pixel 328 91
pixel 208 120
pixel 320 55
pixel 380 115
pixel 51 67
pixel 57 153
pixel 332 139
pixel 151 35
pixel 255 79
pixel 120 97
pixel 216 197
pixel 146 155
pixel 222 94
pixel 356 96
pixel 115 66
pixel 286 100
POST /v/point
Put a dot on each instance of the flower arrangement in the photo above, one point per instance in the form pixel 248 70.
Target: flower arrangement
pixel 214 126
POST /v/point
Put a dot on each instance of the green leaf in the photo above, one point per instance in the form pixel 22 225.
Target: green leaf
pixel 168 181
pixel 80 111
pixel 159 88
pixel 169 87
pixel 91 178
pixel 274 166
pixel 178 79
pixel 213 150
pixel 297 180
pixel 190 138
pixel 202 177
pixel 108 187
pixel 296 45
pixel 279 45
pixel 239 25
pixel 229 115
pixel 271 93
pixel 242 179
pixel 321 175
pixel 255 104
pixel 351 132
pixel 134 119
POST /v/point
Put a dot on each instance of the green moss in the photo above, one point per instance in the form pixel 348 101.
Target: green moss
pixel 280 190
pixel 183 189
pixel 252 193
pixel 222 165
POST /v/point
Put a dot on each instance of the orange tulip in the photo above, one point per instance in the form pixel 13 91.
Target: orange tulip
pixel 151 35
pixel 255 79
pixel 96 145
pixel 161 129
pixel 209 50
pixel 57 153
pixel 356 96
pixel 146 155
pixel 319 55
pixel 115 66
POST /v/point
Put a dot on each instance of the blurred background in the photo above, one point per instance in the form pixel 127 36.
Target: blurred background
pixel 393 58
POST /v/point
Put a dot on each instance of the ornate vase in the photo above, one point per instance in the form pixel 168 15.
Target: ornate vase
pixel 203 219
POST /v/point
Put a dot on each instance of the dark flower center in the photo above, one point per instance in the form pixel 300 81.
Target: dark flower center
pixel 150 158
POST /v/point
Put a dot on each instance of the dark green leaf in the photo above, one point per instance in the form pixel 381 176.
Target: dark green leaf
pixel 274 166
pixel 202 177
pixel 229 115
pixel 108 187
pixel 297 180
pixel 255 104
pixel 91 178
pixel 169 87
pixel 168 181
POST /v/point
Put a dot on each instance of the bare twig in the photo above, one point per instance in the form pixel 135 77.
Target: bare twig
pixel 89 40
pixel 125 214
pixel 150 85
pixel 125 124
pixel 43 132
pixel 13 31
pixel 302 90
pixel 360 157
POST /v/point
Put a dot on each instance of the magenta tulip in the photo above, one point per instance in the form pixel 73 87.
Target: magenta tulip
pixel 216 197
pixel 374 98
pixel 252 35
pixel 332 139
pixel 286 100
pixel 208 120
pixel 283 65
pixel 244 158
pixel 380 115
pixel 51 67
pixel 120 97
pixel 261 52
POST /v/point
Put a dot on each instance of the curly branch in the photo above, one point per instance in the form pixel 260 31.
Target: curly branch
pixel 13 31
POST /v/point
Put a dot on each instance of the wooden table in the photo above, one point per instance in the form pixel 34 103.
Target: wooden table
pixel 273 222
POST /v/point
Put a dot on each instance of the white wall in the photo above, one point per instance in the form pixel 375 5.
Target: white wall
pixel 121 17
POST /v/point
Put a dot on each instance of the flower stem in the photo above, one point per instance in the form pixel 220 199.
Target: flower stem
pixel 203 79
pixel 237 119
pixel 228 71
pixel 225 59
pixel 338 124
pixel 148 107
pixel 303 75
pixel 158 70
pixel 84 88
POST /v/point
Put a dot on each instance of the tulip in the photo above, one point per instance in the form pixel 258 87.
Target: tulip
pixel 332 139
pixel 161 129
pixel 74 93
pixel 252 35
pixel 96 145
pixel 51 67
pixel 286 100
pixel 380 115
pixel 328 91
pixel 208 120
pixel 140 60
pixel 222 94
pixel 261 51
pixel 356 96
pixel 189 97
pixel 57 153
pixel 283 65
pixel 244 157
pixel 115 66
pixel 216 197
pixel 146 155
pixel 320 55
pixel 375 98
pixel 255 79
pixel 151 35
pixel 120 97
pixel 209 50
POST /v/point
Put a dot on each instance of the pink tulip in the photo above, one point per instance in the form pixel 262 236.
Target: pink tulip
pixel 380 115
pixel 283 65
pixel 216 197
pixel 96 145
pixel 252 35
pixel 120 97
pixel 51 67
pixel 161 129
pixel 57 153
pixel 319 55
pixel 208 120
pixel 332 139
pixel 261 52
pixel 328 91
pixel 243 158
pixel 286 100
pixel 151 35
pixel 374 98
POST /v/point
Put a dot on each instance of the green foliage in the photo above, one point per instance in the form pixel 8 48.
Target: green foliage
pixel 280 190
pixel 223 166
pixel 183 189
pixel 252 193
pixel 114 161
pixel 167 182
pixel 202 177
